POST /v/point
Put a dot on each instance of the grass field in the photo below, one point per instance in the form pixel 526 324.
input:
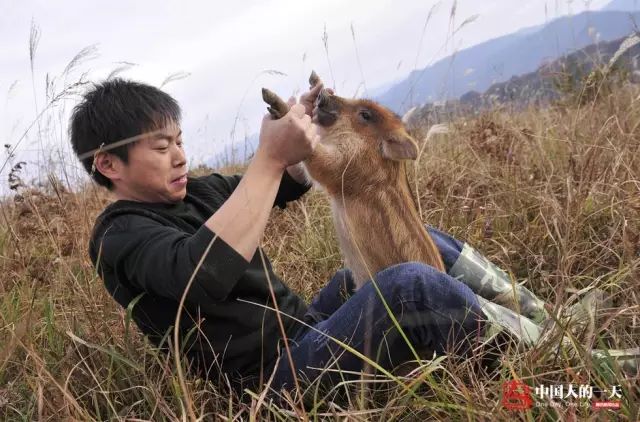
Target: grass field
pixel 552 195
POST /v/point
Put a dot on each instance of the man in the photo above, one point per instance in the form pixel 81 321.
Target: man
pixel 165 226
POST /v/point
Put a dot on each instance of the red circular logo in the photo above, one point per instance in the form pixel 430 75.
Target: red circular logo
pixel 516 395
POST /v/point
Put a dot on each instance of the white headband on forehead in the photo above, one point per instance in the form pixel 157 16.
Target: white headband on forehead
pixel 104 148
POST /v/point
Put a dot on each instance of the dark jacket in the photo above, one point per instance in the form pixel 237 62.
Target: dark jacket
pixel 154 248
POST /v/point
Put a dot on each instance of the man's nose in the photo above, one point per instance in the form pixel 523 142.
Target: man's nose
pixel 179 157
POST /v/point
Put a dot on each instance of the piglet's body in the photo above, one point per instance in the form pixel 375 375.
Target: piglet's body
pixel 361 163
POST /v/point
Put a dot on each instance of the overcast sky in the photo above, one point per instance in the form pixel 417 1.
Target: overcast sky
pixel 225 49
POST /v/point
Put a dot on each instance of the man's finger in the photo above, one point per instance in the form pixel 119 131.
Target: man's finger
pixel 315 90
pixel 312 94
pixel 291 101
pixel 314 141
pixel 311 132
pixel 298 110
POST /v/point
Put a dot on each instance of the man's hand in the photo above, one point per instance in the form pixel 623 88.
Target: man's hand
pixel 308 99
pixel 288 140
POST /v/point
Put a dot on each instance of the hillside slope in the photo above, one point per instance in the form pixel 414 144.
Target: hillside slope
pixel 497 60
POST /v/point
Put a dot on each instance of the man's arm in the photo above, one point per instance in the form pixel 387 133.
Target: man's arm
pixel 145 254
pixel 292 185
pixel 295 170
pixel 241 220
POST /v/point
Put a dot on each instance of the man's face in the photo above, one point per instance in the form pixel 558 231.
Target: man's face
pixel 157 169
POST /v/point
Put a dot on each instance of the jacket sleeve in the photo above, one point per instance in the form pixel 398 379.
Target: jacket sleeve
pixel 161 260
pixel 289 189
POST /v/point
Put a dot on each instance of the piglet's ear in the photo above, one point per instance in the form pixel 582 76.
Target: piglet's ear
pixel 400 147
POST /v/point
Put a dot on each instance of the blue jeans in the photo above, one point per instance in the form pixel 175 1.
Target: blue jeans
pixel 437 313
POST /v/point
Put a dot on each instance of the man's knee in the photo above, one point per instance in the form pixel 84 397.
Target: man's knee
pixel 406 277
pixel 421 283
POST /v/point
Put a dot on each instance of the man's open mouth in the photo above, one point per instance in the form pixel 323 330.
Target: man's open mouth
pixel 180 179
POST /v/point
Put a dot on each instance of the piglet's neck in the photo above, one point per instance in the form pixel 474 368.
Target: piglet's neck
pixel 379 228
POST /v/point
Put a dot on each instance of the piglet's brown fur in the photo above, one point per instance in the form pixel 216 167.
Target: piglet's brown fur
pixel 361 163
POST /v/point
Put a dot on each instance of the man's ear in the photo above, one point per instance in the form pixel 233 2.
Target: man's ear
pixel 400 146
pixel 109 165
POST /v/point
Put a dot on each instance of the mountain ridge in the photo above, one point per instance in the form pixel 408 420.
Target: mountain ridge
pixel 497 60
pixel 563 77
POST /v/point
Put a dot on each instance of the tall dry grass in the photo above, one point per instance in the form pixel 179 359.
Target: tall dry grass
pixel 550 195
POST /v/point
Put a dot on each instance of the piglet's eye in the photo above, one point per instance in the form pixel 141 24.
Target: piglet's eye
pixel 365 115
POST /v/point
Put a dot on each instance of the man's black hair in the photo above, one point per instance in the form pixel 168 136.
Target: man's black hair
pixel 114 110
